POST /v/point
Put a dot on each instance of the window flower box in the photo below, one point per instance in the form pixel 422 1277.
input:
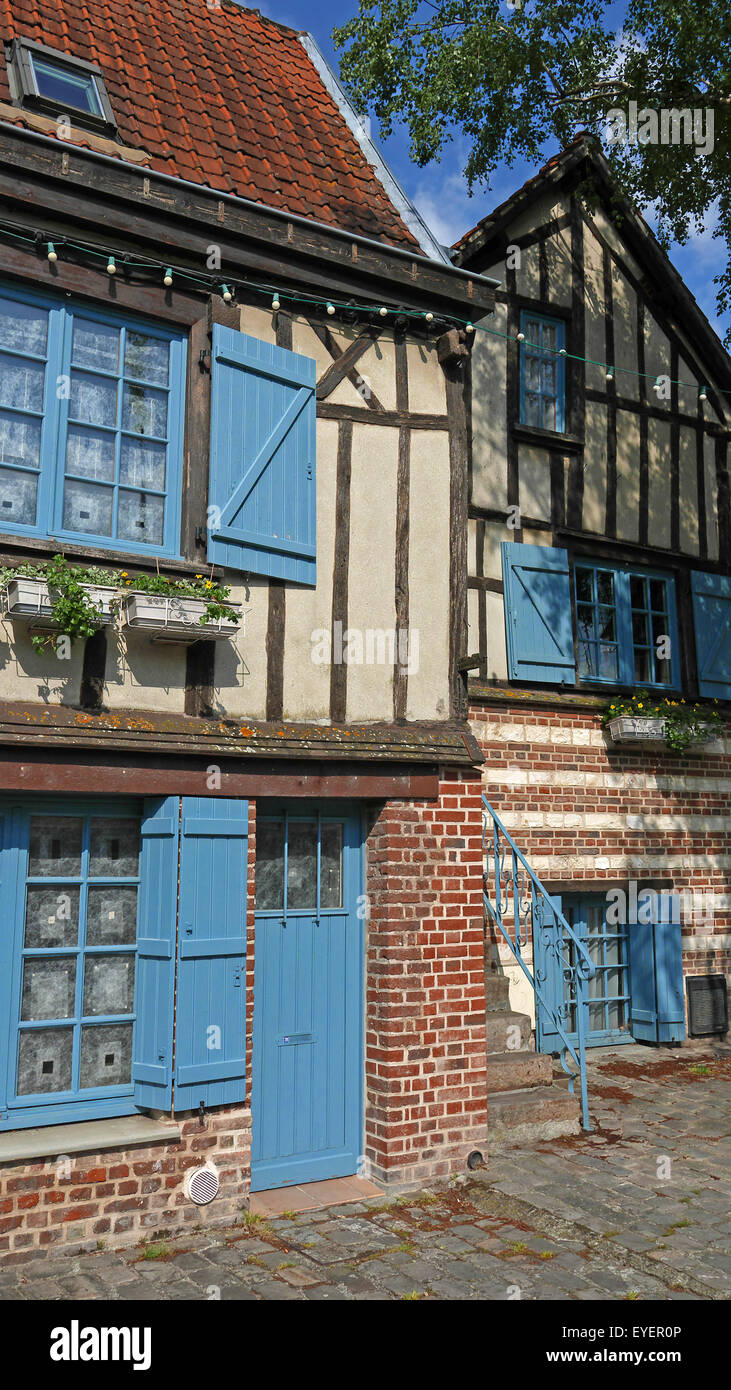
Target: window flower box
pixel 176 619
pixel 630 728
pixel 30 600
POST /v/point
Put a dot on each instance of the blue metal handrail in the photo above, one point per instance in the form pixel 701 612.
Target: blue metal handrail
pixel 520 895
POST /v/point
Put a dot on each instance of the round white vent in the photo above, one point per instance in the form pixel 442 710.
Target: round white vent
pixel 202 1184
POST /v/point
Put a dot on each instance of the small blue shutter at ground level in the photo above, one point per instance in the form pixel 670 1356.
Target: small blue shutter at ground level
pixel 210 1026
pixel 712 618
pixel 539 633
pixel 656 980
pixel 152 1063
pixel 262 486
pixel 549 978
pixel 669 973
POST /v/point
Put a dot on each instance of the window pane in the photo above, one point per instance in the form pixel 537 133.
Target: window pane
pixel 614 951
pixel 44 1060
pixel 93 399
pixel 532 410
pixel 637 591
pixel 548 378
pixel 270 866
pixel 331 861
pixel 18 497
pixel 95 345
pixel 52 916
pixel 596 1018
pixel 585 621
pixel 639 629
pixel 147 358
pixel 68 88
pixel 21 383
pixel 605 587
pixel 608 662
pixel 112 916
pixel 663 671
pixel 605 624
pixel 143 465
pixel 90 454
pixel 658 594
pixel 20 440
pixel 141 517
pixel 302 865
pixel 109 985
pixel 145 411
pixel 532 373
pixel 642 665
pixel 55 847
pixel 114 848
pixel 548 340
pixel 106 1055
pixel 548 417
pixel 87 508
pixel 587 659
pixel 583 586
pixel 48 989
pixel 617 1015
pixel 23 327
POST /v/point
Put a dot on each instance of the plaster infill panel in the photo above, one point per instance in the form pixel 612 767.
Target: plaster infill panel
pixel 372 573
pixel 429 571
pixel 309 610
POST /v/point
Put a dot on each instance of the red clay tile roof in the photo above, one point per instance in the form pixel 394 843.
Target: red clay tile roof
pixel 221 97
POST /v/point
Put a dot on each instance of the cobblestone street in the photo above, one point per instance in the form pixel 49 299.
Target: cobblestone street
pixel 638 1210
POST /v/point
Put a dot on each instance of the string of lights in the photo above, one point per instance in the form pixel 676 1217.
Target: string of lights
pixel 117 262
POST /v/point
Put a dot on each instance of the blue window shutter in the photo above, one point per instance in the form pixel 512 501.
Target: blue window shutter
pixel 546 954
pixel 539 633
pixel 262 463
pixel 642 984
pixel 152 1065
pixel 712 617
pixel 669 972
pixel 211 1005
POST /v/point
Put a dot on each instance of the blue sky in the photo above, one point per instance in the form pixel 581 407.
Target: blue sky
pixel 440 190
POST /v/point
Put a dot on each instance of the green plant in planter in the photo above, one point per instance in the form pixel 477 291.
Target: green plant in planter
pixel 73 611
pixel 684 724
pixel 213 594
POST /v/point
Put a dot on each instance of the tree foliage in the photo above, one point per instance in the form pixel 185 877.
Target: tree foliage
pixel 513 76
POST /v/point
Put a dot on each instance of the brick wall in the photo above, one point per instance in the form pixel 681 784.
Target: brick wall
pixel 589 813
pixel 426 1096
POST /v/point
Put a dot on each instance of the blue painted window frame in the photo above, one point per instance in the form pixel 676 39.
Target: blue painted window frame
pixel 624 642
pixel 532 350
pixel 55 420
pixel 577 908
pixel 91 1102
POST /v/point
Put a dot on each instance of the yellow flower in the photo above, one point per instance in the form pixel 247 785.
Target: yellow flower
pixel 640 706
pixel 199 576
pixel 209 584
pixel 124 574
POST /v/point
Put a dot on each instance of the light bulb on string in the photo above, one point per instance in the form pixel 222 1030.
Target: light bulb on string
pixel 276 302
pixel 520 337
pixel 429 316
pixel 383 311
pixel 469 328
pixel 703 394
pixel 111 266
pixel 226 294
pixel 330 309
pixel 52 252
pixel 562 352
pixel 168 277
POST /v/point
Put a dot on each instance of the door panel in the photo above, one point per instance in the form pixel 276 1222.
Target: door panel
pixel 307 1086
pixel 607 1011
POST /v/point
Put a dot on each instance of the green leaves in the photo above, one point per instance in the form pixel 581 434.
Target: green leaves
pixel 513 81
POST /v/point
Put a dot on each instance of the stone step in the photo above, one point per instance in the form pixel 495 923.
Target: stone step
pixel 514 1071
pixel 501 1026
pixel 497 991
pixel 522 1117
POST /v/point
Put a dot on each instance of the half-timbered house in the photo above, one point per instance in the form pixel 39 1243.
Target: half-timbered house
pixel 599 564
pixel 241 930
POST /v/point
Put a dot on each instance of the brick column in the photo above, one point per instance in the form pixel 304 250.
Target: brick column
pixel 426 1092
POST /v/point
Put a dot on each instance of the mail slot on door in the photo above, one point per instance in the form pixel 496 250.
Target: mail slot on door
pixel 289 1039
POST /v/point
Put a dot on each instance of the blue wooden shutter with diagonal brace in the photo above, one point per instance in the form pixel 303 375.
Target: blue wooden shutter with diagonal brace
pixel 261 496
pixel 712 616
pixel 537 590
pixel 210 1024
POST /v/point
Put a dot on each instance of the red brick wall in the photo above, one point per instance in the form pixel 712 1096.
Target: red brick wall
pixel 587 812
pixel 426 1096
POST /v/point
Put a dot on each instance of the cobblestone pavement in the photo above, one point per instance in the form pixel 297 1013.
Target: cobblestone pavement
pixel 637 1210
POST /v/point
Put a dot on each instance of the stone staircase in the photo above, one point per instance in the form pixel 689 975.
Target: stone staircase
pixel 524 1102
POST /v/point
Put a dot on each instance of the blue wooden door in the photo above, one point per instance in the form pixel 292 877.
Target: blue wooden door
pixel 608 1006
pixel 308 997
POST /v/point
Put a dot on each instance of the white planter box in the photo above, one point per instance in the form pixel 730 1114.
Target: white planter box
pixel 175 619
pixel 630 728
pixel 30 600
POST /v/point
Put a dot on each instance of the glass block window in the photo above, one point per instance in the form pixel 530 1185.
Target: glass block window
pixel 91 427
pixel 542 372
pixel 626 627
pixel 76 1014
